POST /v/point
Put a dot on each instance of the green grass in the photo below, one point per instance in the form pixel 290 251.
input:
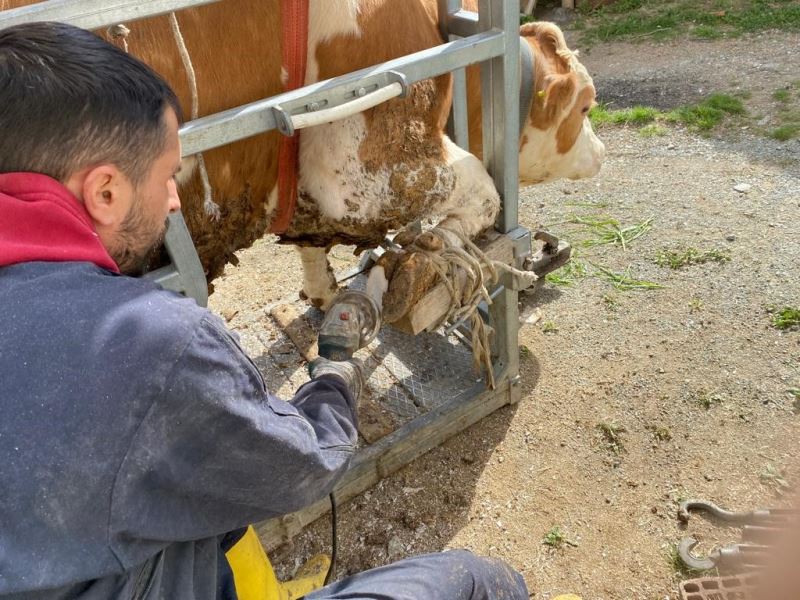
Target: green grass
pixel 707 114
pixel 662 434
pixel 706 19
pixel 596 231
pixel 781 95
pixel 677 259
pixel 607 230
pixel 653 130
pixel 549 327
pixel 554 538
pixel 785 132
pixel 569 274
pixel 677 564
pixel 786 319
pixel 637 115
pixel 703 116
pixel 708 399
pixel 623 281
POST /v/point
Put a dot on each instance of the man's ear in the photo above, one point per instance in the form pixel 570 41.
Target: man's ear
pixel 107 195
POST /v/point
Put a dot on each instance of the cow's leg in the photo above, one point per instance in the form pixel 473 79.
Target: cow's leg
pixel 319 282
pixel 474 203
pixel 471 208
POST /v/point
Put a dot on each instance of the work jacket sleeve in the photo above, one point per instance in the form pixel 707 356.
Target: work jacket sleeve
pixel 216 451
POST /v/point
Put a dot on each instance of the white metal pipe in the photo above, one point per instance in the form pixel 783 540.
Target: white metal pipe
pixel 93 14
pixel 343 111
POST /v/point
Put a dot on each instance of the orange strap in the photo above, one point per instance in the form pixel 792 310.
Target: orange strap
pixel 294 19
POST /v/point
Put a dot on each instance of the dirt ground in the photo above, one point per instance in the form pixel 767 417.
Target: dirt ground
pixel 691 378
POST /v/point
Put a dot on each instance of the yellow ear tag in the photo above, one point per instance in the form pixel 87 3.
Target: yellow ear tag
pixel 541 93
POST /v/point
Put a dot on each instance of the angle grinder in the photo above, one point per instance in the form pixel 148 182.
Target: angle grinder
pixel 352 322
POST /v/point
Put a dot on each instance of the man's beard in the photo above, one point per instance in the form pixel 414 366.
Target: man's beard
pixel 137 245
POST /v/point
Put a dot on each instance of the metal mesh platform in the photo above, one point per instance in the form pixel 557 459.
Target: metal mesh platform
pixel 740 587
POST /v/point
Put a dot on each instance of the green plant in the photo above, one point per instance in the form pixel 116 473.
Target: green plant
pixel 555 538
pixel 708 399
pixel 609 231
pixel 611 302
pixel 695 305
pixel 708 113
pixel 677 259
pixel 638 20
pixel 677 564
pixel 570 273
pixel 652 130
pixel 785 132
pixel 637 115
pixel 623 281
pixel 787 318
pixel 781 95
pixel 612 436
pixel 549 327
pixel 662 434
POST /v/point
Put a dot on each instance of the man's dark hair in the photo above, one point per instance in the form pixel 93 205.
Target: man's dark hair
pixel 70 100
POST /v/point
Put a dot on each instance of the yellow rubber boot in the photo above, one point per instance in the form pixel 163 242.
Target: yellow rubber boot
pixel 255 578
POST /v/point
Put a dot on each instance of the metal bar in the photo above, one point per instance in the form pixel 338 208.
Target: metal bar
pixel 185 273
pixel 462 23
pixel 93 14
pixel 257 117
pixel 458 120
pixel 500 100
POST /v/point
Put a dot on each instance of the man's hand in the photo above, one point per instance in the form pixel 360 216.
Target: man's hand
pixel 350 371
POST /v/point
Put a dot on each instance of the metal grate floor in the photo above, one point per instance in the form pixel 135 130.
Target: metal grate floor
pixel 406 375
pixel 738 587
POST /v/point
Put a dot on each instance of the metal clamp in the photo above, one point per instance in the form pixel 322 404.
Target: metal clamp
pixel 369 92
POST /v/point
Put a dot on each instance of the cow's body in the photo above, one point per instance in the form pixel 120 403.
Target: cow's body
pixel 368 174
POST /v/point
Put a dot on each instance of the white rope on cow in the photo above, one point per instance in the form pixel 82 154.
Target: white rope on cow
pixel 211 208
pixel 472 261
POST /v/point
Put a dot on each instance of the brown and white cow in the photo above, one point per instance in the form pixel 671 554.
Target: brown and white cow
pixel 365 175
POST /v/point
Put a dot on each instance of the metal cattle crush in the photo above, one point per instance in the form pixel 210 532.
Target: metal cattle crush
pixel 425 382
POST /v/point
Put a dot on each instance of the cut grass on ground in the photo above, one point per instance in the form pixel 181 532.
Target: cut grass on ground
pixel 700 117
pixel 677 259
pixel 709 19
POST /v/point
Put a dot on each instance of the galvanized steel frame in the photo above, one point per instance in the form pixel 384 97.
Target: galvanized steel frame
pixel 491 38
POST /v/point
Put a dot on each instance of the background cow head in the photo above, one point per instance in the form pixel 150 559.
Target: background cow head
pixel 558 140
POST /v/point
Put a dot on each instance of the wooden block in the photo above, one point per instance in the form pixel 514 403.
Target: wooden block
pixel 374 422
pixel 435 304
pixel 291 321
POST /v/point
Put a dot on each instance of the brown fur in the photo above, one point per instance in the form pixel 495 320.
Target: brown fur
pixel 235 48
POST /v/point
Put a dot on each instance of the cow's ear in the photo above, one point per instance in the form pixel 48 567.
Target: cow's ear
pixel 558 94
pixel 550 40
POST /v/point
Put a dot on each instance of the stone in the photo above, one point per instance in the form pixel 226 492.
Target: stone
pixel 742 188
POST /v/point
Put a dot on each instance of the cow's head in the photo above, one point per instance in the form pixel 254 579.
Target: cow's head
pixel 558 140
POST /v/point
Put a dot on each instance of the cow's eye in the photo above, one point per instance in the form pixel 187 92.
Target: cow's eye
pixel 585 109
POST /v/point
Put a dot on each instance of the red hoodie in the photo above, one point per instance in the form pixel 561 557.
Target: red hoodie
pixel 40 220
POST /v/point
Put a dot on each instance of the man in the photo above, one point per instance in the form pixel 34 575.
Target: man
pixel 138 439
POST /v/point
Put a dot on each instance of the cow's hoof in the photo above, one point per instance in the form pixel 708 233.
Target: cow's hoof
pixel 412 275
pixel 322 304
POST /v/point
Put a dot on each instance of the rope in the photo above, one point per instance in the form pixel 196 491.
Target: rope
pixel 211 208
pixel 472 261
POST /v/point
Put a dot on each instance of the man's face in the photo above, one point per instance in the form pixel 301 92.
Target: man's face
pixel 141 232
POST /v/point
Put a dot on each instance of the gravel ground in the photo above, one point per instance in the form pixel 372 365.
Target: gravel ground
pixel 691 376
